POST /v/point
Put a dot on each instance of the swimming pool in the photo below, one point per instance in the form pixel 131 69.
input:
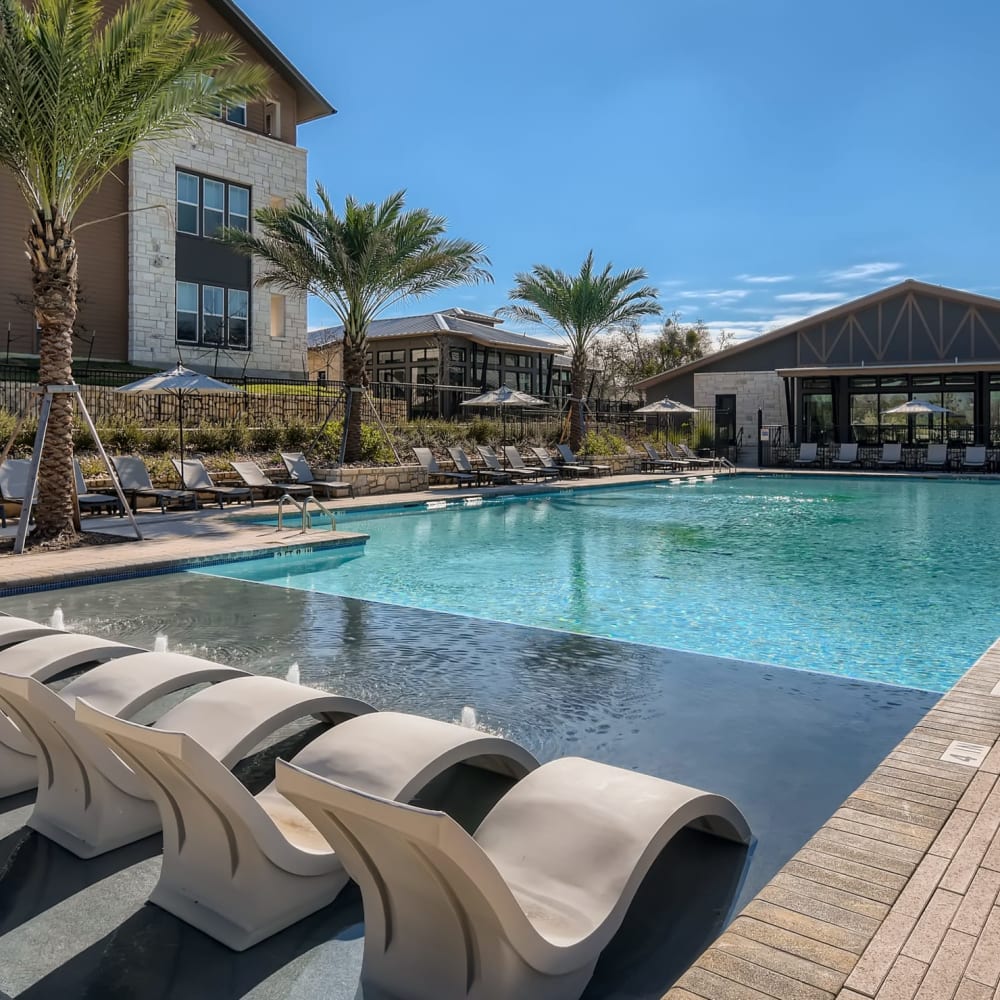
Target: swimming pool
pixel 891 580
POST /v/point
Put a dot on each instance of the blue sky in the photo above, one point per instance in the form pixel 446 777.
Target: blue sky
pixel 762 161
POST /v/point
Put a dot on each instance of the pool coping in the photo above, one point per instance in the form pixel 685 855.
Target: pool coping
pixel 896 895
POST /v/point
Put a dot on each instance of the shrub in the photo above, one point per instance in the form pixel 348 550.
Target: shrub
pixel 124 437
pixel 267 437
pixel 206 438
pixel 483 431
pixel 296 436
pixel 602 442
pixel 161 439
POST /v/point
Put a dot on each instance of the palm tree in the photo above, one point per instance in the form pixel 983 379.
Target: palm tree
pixel 580 307
pixel 361 263
pixel 77 96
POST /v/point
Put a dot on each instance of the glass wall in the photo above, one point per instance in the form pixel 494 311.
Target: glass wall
pixel 817 410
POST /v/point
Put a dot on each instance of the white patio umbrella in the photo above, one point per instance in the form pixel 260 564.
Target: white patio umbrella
pixel 666 406
pixel 504 397
pixel 916 407
pixel 180 382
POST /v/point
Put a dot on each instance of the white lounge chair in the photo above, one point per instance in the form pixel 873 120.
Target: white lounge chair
pixel 242 867
pixel 847 454
pixel 194 476
pixel 44 659
pixel 429 464
pixel 808 454
pixel 936 457
pixel 14 630
pixel 300 471
pixel 253 475
pixel 974 457
pixel 892 455
pixel 566 454
pixel 525 906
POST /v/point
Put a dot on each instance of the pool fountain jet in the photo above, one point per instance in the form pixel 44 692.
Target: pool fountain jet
pixel 57 620
pixel 468 718
pixel 293 675
pixel 160 644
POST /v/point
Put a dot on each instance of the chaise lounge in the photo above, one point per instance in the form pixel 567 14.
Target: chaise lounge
pixel 253 476
pixel 484 477
pixel 517 464
pixel 429 464
pixel 525 906
pixel 241 867
pixel 566 454
pixel 194 476
pixel 974 458
pixel 135 483
pixel 847 454
pixel 492 462
pixel 892 456
pixel 301 472
pixel 808 454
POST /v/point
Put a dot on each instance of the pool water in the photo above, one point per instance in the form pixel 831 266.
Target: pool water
pixel 891 580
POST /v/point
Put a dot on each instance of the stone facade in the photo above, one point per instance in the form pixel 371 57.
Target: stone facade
pixel 271 169
pixel 375 481
pixel 753 391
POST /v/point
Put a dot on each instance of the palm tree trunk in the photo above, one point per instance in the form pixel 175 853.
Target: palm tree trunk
pixel 354 373
pixel 53 257
pixel 577 383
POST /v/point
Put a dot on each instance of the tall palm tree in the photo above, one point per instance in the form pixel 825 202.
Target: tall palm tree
pixel 580 307
pixel 77 96
pixel 359 263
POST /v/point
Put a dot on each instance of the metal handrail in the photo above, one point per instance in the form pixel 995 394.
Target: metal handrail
pixel 303 509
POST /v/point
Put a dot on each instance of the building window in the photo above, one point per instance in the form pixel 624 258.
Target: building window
pixel 424 354
pixel 213 206
pixel 212 315
pixel 187 312
pixel 236 114
pixel 457 354
pixel 390 358
pixel 239 207
pixel 523 382
pixel 272 118
pixel 187 203
pixel 392 375
pixel 517 360
pixel 278 317
pixel 425 374
pixel 238 319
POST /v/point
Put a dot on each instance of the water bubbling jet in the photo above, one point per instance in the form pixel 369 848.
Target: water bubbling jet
pixel 57 620
pixel 293 675
pixel 468 718
pixel 160 644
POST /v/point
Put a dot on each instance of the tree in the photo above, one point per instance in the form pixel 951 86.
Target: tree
pixel 581 307
pixel 361 263
pixel 76 99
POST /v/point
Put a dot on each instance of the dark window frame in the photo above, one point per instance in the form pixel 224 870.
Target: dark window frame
pixel 227 186
pixel 224 342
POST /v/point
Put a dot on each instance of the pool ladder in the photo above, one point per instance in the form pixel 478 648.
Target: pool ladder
pixel 303 509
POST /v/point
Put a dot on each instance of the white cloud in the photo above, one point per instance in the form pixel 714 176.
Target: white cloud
pixel 764 279
pixel 716 297
pixel 862 272
pixel 810 297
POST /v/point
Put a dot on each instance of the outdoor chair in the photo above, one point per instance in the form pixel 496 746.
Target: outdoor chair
pixel 133 476
pixel 847 454
pixel 284 868
pixel 566 454
pixel 13 484
pixel 300 471
pixel 892 456
pixel 974 457
pixel 489 457
pixel 808 454
pixel 686 452
pixel 254 477
pixel 44 658
pixel 548 462
pixel 429 463
pixel 89 801
pixel 522 908
pixel 488 477
pixel 936 456
pixel 195 477
pixel 682 461
pixel 656 463
pixel 515 461
pixel 94 502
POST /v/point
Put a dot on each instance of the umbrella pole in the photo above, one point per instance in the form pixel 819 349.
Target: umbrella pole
pixel 180 426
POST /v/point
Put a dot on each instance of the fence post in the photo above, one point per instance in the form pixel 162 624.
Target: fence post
pixel 760 438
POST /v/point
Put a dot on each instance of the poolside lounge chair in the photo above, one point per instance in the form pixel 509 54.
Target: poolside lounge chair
pixel 685 452
pixel 14 630
pixel 242 867
pixel 44 659
pixel 489 457
pixel 974 457
pixel 524 907
pixel 489 477
pixel 566 454
pixel 548 462
pixel 135 483
pixel 195 477
pixel 427 460
pixel 936 457
pixel 892 455
pixel 13 484
pixel 94 502
pixel 847 454
pixel 300 471
pixel 515 461
pixel 808 454
pixel 656 463
pixel 252 474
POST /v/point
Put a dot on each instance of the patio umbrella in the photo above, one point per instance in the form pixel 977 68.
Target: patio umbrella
pixel 915 407
pixel 666 406
pixel 504 397
pixel 180 382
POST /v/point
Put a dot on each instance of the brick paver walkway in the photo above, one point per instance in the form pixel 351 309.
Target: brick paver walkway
pixel 896 897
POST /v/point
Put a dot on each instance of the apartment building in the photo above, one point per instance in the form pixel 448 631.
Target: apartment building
pixel 155 285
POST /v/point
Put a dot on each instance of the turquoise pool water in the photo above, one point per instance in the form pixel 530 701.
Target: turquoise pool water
pixel 889 580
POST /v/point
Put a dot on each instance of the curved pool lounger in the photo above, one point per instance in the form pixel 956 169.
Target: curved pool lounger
pixel 14 630
pixel 241 867
pixel 88 801
pixel 525 907
pixel 43 659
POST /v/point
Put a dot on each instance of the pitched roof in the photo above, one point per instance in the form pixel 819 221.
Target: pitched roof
pixel 455 321
pixel 873 298
pixel 311 103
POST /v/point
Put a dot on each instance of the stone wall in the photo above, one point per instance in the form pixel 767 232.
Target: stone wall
pixel 375 481
pixel 271 169
pixel 753 390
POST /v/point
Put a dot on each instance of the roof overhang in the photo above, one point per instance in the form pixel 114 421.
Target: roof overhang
pixel 311 103
pixel 930 368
